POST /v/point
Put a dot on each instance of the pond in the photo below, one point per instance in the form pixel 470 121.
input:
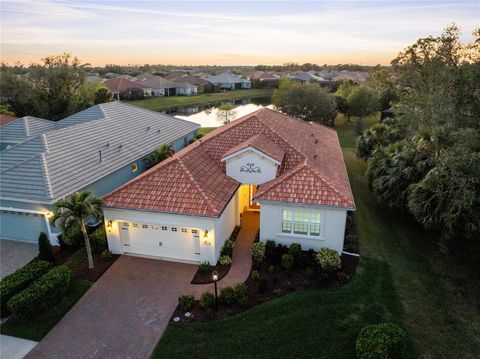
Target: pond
pixel 206 114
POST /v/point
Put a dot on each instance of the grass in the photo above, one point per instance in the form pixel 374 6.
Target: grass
pixel 434 297
pixel 161 103
pixel 205 130
pixel 37 328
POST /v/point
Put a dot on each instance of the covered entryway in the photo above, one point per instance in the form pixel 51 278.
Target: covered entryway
pixel 252 205
pixel 161 240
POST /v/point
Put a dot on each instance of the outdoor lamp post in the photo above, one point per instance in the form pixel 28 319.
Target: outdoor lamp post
pixel 215 280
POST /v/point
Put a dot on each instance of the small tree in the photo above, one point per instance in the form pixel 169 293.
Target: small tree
pixel 78 208
pixel 162 153
pixel 226 113
pixel 283 85
pixel 362 102
pixel 102 95
pixel 45 251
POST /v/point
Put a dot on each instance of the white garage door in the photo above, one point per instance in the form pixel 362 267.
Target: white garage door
pixel 160 240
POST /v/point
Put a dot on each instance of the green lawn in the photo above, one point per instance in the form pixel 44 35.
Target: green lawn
pixel 39 327
pixel 401 278
pixel 160 103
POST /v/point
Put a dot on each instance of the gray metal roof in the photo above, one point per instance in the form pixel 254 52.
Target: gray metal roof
pixel 157 82
pixel 24 128
pixel 57 163
pixel 226 77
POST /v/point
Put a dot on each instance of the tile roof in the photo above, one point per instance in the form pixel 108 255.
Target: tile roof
pixel 56 163
pixel 193 181
pixel 157 82
pixel 4 119
pixel 144 76
pixel 226 77
pixel 261 143
pixel 118 84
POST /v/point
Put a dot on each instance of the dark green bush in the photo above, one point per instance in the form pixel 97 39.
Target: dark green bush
pixel 270 245
pixel 45 251
pixel 227 249
pixel 98 240
pixel 207 300
pixel 204 267
pixel 186 302
pixel 328 259
pixel 21 279
pixel 255 275
pixel 225 260
pixel 258 251
pixel 295 249
pixel 241 294
pixel 45 292
pixel 106 255
pixel 287 261
pixel 227 295
pixel 381 341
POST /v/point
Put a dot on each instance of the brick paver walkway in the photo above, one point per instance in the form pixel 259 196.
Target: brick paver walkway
pixel 126 311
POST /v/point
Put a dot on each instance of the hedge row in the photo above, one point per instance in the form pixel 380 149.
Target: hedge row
pixel 21 279
pixel 42 294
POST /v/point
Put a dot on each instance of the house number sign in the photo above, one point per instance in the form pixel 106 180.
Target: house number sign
pixel 250 168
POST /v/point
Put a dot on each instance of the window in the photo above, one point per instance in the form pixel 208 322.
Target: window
pixel 164 228
pixel 145 226
pixel 305 223
pixel 184 230
pixel 126 224
pixel 135 225
pixel 174 229
pixel 195 231
pixel 134 167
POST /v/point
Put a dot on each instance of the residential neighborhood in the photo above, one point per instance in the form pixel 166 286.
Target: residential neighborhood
pixel 239 180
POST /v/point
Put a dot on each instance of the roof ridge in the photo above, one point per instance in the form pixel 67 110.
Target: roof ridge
pixel 326 181
pixel 46 177
pixel 25 126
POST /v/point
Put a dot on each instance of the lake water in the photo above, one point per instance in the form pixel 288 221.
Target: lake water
pixel 206 115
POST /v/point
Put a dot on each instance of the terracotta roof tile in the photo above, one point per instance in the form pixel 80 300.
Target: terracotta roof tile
pixel 261 143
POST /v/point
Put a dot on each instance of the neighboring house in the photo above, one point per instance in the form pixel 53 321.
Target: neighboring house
pixel 119 86
pixel 187 206
pixel 98 149
pixel 203 85
pixel 175 75
pixel 305 77
pixel 126 77
pixel 185 88
pixel 267 79
pixel 4 119
pixel 22 129
pixel 229 81
pixel 160 86
pixel 143 77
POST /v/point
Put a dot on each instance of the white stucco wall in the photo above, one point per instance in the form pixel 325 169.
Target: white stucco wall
pixel 225 224
pixel 250 167
pixel 243 197
pixel 332 232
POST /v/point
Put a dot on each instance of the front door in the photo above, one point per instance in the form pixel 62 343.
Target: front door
pixel 254 206
pixel 196 241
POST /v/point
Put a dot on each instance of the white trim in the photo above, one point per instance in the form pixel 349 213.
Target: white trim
pixel 169 259
pixel 351 254
pixel 305 205
pixel 251 149
pixel 25 200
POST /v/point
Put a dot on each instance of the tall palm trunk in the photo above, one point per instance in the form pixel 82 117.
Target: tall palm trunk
pixel 87 245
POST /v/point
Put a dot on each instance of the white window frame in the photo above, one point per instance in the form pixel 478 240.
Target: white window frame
pixel 309 214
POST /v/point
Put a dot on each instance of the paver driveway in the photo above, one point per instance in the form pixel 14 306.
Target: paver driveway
pixel 14 254
pixel 124 313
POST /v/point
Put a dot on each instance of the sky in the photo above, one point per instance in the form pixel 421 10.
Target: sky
pixel 224 32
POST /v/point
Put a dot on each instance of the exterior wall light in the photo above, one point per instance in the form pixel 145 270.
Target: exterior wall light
pixel 109 225
pixel 205 234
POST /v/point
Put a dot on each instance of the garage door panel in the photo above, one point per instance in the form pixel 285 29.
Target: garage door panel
pixel 21 226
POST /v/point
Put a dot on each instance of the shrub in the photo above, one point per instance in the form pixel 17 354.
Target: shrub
pixel 204 267
pixel 106 255
pixel 258 251
pixel 46 291
pixel 225 260
pixel 98 240
pixel 382 341
pixel 227 249
pixel 271 269
pixel 21 279
pixel 343 277
pixel 328 259
pixel 45 251
pixel 207 300
pixel 287 261
pixel 185 302
pixel 255 275
pixel 227 295
pixel 277 292
pixel 295 249
pixel 309 273
pixel 270 245
pixel 241 294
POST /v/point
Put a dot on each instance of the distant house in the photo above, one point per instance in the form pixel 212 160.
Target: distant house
pixel 143 77
pixel 98 149
pixel 126 77
pixel 267 79
pixel 175 75
pixel 185 88
pixel 305 77
pixel 203 85
pixel 229 81
pixel 4 119
pixel 121 87
pixel 160 86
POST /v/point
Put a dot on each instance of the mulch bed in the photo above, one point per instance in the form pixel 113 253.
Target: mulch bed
pixel 100 266
pixel 206 277
pixel 62 255
pixel 276 281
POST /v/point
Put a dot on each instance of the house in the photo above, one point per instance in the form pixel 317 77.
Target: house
pixel 202 85
pixel 4 119
pixel 120 87
pixel 185 208
pixel 229 81
pixel 267 79
pixel 185 88
pixel 142 77
pixel 175 75
pixel 305 77
pixel 21 129
pixel 160 86
pixel 97 149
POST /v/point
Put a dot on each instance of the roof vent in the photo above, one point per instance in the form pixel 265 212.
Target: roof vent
pixel 315 156
pixel 107 145
pixel 316 140
pixel 120 146
pixel 158 131
pixel 100 155
pixel 311 135
pixel 148 128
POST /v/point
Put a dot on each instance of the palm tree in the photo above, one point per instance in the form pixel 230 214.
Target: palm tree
pixel 162 153
pixel 78 208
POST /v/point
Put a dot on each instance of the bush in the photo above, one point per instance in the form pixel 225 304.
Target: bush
pixel 382 341
pixel 255 275
pixel 309 273
pixel 328 259
pixel 270 245
pixel 204 267
pixel 227 249
pixel 185 302
pixel 106 255
pixel 45 292
pixel 258 251
pixel 207 300
pixel 271 269
pixel 21 279
pixel 98 240
pixel 241 294
pixel 225 260
pixel 227 295
pixel 45 251
pixel 295 249
pixel 287 261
